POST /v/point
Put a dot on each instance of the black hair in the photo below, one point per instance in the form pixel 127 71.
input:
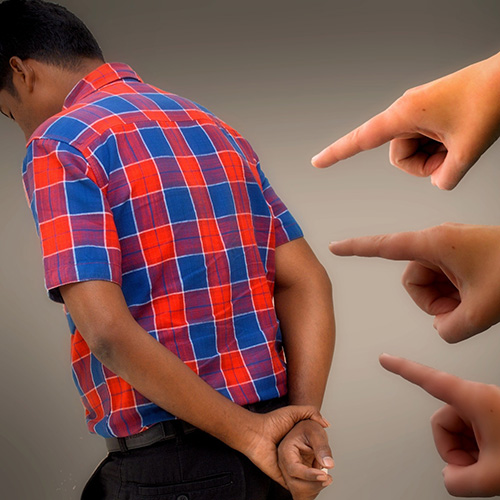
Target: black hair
pixel 43 31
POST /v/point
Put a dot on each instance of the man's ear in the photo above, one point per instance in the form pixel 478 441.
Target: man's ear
pixel 23 74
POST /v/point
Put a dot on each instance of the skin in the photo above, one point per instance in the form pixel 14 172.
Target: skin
pixel 99 310
pixel 466 430
pixel 453 274
pixel 439 129
pixel 303 452
pixel 41 89
pixel 102 317
pixel 309 359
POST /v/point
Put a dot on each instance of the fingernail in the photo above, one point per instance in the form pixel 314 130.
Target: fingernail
pixel 327 424
pixel 313 159
pixel 328 463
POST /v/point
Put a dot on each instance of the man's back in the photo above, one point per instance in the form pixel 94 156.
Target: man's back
pixel 147 189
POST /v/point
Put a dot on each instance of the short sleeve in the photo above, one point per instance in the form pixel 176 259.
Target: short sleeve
pixel 285 226
pixel 77 232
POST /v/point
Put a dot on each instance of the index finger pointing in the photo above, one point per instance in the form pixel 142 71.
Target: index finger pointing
pixel 377 131
pixel 441 385
pixel 410 245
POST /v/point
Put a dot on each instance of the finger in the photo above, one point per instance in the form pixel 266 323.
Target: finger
pixel 410 245
pixel 430 288
pixel 419 155
pixel 298 470
pixel 318 441
pixel 371 134
pixel 441 385
pixel 296 460
pixel 454 439
pixel 306 490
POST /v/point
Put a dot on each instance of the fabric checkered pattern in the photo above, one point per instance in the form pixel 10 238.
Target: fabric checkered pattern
pixel 153 192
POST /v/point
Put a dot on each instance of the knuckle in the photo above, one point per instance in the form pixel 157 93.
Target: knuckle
pixel 409 92
pixel 489 392
pixel 405 101
pixel 356 136
pixel 379 242
pixel 443 234
pixel 441 230
pixel 359 137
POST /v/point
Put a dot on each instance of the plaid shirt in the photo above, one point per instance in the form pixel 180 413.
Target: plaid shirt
pixel 149 190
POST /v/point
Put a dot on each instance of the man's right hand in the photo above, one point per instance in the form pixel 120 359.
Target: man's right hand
pixel 454 273
pixel 439 129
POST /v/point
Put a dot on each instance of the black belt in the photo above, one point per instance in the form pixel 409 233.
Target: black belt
pixel 173 428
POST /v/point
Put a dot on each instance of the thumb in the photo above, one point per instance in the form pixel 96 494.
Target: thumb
pixel 322 451
pixel 464 481
pixel 460 323
pixel 452 170
pixel 317 439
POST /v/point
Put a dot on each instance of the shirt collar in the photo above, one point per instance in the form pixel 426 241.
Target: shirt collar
pixel 103 75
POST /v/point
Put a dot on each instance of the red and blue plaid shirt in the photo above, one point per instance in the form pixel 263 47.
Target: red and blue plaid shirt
pixel 149 190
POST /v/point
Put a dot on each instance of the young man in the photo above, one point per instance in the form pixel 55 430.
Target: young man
pixel 184 277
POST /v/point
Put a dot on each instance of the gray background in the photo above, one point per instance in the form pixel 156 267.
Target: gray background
pixel 290 76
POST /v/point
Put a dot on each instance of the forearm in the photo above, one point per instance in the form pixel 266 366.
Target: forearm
pixel 124 347
pixel 304 305
pixel 163 378
pixel 305 311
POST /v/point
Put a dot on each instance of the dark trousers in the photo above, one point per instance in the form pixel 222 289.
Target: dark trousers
pixel 191 466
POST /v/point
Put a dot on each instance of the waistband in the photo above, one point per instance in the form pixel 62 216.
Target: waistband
pixel 170 429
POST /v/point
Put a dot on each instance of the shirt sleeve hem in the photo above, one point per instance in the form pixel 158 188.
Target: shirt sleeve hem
pixel 101 271
pixel 288 233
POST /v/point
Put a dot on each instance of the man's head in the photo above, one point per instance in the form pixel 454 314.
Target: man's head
pixel 44 51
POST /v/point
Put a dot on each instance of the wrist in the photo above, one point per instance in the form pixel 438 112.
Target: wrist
pixel 491 75
pixel 243 431
pixel 312 395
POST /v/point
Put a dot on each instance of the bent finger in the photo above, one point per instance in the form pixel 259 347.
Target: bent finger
pixel 418 155
pixel 454 439
pixel 299 470
pixel 430 288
